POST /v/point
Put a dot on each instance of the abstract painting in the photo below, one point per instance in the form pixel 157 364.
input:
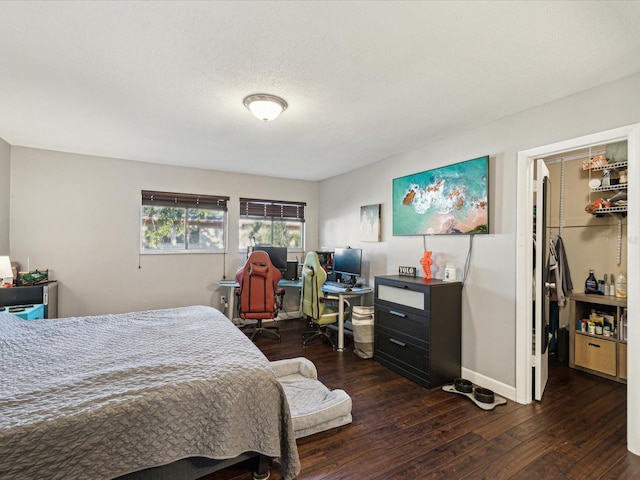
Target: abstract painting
pixel 370 223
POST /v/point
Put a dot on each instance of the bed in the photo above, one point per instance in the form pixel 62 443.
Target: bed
pixel 101 397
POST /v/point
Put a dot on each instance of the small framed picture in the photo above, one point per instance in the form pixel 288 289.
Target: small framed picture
pixel 370 223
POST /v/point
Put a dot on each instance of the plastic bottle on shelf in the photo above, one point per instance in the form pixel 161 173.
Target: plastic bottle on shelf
pixel 612 286
pixel 621 286
pixel 450 273
pixel 591 284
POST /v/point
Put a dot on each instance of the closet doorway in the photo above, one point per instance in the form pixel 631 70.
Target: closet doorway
pixel 524 268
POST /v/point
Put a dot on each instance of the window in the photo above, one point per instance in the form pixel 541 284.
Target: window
pixel 180 222
pixel 272 222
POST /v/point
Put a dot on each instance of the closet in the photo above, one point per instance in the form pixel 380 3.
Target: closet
pixel 588 212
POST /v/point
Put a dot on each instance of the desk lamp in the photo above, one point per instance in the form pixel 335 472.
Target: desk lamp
pixel 6 274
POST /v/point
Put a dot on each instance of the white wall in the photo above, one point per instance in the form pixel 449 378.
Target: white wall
pixel 5 195
pixel 79 216
pixel 489 296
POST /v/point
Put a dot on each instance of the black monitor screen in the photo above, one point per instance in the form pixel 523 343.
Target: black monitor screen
pixel 347 261
pixel 278 256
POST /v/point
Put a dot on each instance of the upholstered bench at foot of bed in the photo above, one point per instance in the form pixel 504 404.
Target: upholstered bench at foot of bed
pixel 314 408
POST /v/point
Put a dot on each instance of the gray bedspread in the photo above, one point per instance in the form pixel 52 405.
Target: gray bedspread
pixel 98 397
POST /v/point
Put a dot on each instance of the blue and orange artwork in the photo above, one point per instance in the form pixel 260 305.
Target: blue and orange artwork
pixel 443 201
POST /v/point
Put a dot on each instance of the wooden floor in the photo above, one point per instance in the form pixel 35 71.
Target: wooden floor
pixel 403 431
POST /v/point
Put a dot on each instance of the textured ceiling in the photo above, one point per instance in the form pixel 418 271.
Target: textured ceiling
pixel 164 81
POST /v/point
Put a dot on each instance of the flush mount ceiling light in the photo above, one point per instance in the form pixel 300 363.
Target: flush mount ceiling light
pixel 264 106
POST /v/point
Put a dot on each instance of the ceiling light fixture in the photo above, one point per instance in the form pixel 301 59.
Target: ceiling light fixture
pixel 264 106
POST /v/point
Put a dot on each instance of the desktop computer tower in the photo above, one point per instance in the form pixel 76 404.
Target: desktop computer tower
pixel 292 271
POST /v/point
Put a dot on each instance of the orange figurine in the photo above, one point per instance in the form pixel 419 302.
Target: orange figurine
pixel 426 263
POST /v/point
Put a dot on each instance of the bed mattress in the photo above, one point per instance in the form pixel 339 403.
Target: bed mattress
pixel 99 397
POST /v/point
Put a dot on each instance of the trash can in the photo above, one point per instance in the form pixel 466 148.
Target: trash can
pixel 362 321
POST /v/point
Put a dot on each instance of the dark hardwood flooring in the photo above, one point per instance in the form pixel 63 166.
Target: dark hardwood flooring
pixel 403 431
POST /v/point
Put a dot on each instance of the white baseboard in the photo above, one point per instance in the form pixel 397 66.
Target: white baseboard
pixel 500 388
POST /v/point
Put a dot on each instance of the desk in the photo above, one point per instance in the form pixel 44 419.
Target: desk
pixel 342 294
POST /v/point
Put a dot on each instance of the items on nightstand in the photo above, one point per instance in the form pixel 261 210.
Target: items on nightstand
pixel 34 277
pixel 6 274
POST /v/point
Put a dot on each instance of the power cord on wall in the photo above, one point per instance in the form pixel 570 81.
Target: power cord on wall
pixel 424 242
pixel 467 262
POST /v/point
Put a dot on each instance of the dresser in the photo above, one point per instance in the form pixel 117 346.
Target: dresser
pixel 417 328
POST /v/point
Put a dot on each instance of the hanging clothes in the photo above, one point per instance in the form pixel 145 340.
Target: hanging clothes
pixel 558 274
pixel 558 270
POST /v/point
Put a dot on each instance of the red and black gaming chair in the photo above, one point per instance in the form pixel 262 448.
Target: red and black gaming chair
pixel 259 296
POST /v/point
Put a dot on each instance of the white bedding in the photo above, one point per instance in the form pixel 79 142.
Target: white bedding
pixel 98 397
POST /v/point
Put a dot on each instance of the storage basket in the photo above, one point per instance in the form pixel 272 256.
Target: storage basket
pixel 362 319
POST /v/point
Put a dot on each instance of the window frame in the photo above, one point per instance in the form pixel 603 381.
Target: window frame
pixel 270 212
pixel 186 202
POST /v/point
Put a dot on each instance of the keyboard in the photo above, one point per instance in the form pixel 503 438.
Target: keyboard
pixel 337 285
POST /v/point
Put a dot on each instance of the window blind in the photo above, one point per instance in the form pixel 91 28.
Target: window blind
pixel 185 200
pixel 272 209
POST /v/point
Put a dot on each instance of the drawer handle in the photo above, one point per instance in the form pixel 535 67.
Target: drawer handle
pixel 397 314
pixel 594 345
pixel 397 342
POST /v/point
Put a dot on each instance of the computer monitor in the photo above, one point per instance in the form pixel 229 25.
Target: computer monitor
pixel 278 256
pixel 347 262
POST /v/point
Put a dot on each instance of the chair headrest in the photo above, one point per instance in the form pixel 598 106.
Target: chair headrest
pixel 313 267
pixel 259 263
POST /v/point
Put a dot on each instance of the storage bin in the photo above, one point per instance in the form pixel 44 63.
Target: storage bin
pixel 363 332
pixel 33 312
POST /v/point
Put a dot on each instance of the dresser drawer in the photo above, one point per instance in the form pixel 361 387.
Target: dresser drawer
pixel 409 324
pixel 401 354
pixel 595 354
pixel 403 295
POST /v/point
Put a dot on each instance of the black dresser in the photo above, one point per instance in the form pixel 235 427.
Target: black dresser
pixel 418 327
